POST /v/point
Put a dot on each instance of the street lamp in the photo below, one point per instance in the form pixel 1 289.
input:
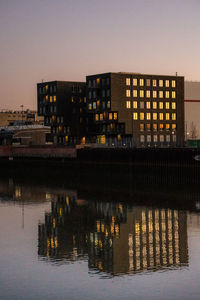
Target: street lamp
pixel 22 107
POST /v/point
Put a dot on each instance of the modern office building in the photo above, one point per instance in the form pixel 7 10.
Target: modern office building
pixel 115 109
pixel 63 105
pixel 192 109
pixel 137 110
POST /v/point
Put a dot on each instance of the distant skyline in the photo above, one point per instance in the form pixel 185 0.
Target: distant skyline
pixel 69 39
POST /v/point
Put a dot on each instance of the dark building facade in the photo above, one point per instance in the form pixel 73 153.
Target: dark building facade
pixel 137 110
pixel 63 105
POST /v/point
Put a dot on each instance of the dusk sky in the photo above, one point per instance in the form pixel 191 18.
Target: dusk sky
pixel 68 39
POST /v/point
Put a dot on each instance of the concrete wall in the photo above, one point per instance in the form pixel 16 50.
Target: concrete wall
pixel 42 152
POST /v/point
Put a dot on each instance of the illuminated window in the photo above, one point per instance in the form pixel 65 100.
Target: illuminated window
pixel 51 99
pixel 134 81
pixel 173 95
pixel 128 93
pixel 167 105
pixel 54 98
pixel 134 104
pixel 98 81
pixel 168 138
pixel 66 138
pixel 173 83
pixel 97 117
pixel 98 103
pixel 167 116
pixel 154 82
pixel 174 138
pixel 148 127
pixel 161 116
pixel 141 93
pixel 128 81
pixel 154 116
pixel 148 94
pixel 108 104
pixel 101 117
pixel 141 116
pixel 173 126
pixel 83 140
pixel 160 94
pixel 160 105
pixel 154 94
pixel 142 139
pixel 161 138
pixel 161 127
pixel 115 116
pixel 94 105
pixel 161 83
pixel 148 82
pixel 167 83
pixel 141 104
pixel 134 93
pixel 167 126
pixel 167 94
pixel 90 106
pixel 135 116
pixel 141 82
pixel 128 104
pixel 149 138
pixel 173 105
pixel 46 88
pixel 46 97
pixel 148 115
pixel 110 116
pixel 141 127
pixel 155 138
pixel 148 105
pixel 155 127
pixel 154 105
pixel 85 100
pixel 173 116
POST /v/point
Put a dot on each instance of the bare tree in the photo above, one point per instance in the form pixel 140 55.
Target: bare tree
pixel 193 131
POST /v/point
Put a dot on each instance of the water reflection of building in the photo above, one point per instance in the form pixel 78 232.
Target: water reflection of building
pixel 150 239
pixel 115 238
pixel 64 234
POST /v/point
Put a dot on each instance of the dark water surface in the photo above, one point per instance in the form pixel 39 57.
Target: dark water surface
pixel 110 236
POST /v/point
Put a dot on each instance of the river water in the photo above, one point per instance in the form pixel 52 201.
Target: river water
pixel 65 241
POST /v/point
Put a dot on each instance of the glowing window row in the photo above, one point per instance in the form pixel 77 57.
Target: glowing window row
pixel 109 116
pixel 46 88
pixel 50 98
pixel 154 116
pixel 149 105
pixel 158 138
pixel 97 104
pixel 149 82
pixel 156 127
pixel 150 94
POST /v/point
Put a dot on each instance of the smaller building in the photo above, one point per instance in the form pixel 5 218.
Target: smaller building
pixel 16 117
pixel 24 135
pixel 63 105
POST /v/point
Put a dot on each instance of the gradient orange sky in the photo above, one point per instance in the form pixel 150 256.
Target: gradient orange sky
pixel 68 39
